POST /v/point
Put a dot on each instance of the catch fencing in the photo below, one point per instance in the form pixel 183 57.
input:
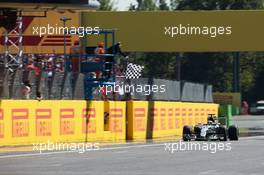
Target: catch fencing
pixel 71 86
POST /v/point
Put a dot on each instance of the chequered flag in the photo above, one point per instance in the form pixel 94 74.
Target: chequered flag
pixel 133 71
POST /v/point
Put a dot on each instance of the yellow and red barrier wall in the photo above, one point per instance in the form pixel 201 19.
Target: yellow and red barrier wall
pixel 25 122
pixel 163 119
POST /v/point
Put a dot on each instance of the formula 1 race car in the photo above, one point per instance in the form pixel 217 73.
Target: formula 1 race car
pixel 210 131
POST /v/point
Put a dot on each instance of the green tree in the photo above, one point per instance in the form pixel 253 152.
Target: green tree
pixel 163 5
pixel 216 68
pixel 106 5
pixel 145 5
pixel 216 4
pixel 157 65
pixel 209 68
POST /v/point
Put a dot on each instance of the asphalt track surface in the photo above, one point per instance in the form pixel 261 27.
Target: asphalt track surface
pixel 250 125
pixel 250 121
pixel 246 156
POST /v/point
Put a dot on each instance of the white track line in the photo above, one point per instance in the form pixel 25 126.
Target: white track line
pixel 104 149
pixel 63 152
pixel 251 137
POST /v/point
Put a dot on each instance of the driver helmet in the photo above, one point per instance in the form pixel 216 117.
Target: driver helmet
pixel 210 122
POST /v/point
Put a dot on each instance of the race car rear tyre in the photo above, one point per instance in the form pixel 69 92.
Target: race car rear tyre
pixel 233 133
pixel 222 134
pixel 186 133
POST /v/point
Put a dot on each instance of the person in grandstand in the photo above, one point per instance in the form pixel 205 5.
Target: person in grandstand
pixel 26 90
pixel 35 64
pixel 76 54
pixel 99 50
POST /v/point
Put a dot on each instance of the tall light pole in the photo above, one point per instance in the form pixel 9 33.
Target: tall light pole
pixel 236 72
pixel 64 20
pixel 179 57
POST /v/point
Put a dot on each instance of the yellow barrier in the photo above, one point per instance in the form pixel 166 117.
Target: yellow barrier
pixel 116 125
pixel 162 119
pixel 26 122
pixel 30 121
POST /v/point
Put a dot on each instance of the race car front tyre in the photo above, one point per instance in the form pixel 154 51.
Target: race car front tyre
pixel 233 132
pixel 197 130
pixel 186 133
pixel 222 134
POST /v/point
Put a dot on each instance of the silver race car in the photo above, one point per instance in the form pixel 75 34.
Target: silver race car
pixel 210 131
